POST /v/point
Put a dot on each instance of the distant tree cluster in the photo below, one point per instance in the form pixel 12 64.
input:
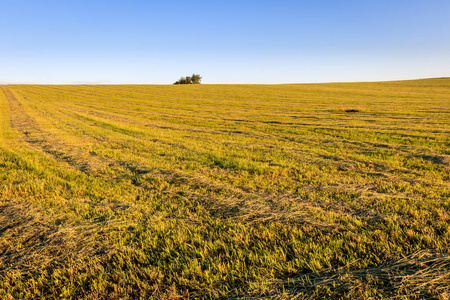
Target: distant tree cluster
pixel 194 79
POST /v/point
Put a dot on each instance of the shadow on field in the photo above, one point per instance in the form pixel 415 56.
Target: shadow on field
pixel 30 241
pixel 443 160
pixel 419 275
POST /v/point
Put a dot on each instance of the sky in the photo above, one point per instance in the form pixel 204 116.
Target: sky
pixel 264 42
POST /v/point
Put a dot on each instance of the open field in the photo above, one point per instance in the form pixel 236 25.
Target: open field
pixel 225 191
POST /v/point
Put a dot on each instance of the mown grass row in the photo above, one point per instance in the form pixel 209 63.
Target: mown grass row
pixel 225 191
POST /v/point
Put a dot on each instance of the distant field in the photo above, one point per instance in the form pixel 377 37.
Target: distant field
pixel 225 191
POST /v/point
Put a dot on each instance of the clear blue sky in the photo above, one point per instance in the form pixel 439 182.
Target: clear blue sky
pixel 79 41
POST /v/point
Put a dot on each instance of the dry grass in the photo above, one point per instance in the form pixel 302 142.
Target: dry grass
pixel 318 191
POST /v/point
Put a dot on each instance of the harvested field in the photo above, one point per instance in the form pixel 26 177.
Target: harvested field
pixel 306 191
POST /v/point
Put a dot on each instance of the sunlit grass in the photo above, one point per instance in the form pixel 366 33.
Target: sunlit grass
pixel 210 191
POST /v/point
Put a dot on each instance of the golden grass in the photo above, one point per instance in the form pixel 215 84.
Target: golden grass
pixel 225 191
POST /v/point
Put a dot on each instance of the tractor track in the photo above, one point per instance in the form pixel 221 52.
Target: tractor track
pixel 31 133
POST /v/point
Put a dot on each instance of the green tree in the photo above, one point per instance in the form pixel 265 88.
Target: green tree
pixel 194 79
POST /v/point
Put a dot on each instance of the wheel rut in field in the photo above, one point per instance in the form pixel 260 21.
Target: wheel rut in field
pixel 233 202
pixel 31 133
pixel 41 140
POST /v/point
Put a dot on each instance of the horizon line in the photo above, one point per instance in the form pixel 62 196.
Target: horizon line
pixel 287 83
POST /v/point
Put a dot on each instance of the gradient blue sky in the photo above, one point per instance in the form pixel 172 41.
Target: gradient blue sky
pixel 96 41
